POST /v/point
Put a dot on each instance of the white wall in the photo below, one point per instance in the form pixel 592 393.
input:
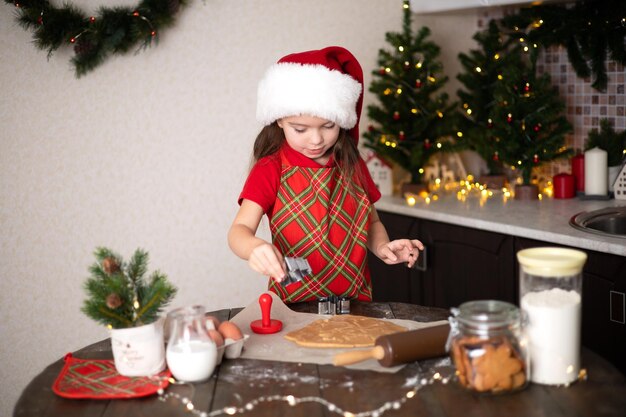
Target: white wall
pixel 150 151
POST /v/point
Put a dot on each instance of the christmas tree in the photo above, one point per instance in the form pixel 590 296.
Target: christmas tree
pixel 528 125
pixel 483 68
pixel 412 120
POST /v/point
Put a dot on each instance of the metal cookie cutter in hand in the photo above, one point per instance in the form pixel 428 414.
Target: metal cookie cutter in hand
pixel 297 268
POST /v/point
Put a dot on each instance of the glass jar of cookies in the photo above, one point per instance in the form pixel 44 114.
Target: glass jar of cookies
pixel 488 348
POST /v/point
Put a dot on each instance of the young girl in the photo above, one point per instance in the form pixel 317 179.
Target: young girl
pixel 310 181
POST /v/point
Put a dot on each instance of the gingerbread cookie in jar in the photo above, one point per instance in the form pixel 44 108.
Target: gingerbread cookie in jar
pixel 487 346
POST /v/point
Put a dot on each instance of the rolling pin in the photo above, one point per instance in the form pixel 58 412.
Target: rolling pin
pixel 402 347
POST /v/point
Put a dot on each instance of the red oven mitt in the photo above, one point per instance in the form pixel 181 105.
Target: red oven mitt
pixel 98 379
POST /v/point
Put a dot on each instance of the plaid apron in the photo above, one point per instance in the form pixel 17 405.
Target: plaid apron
pixel 317 218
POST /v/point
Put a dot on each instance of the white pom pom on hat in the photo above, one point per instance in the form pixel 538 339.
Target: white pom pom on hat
pixel 326 83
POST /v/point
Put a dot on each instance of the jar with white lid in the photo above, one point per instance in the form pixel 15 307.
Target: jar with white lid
pixel 487 346
pixel 551 300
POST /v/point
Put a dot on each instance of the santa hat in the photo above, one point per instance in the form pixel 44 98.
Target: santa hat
pixel 326 83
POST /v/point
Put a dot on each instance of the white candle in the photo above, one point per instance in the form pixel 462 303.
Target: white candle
pixel 596 172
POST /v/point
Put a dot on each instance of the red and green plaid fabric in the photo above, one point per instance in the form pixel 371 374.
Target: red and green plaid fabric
pixel 98 379
pixel 317 217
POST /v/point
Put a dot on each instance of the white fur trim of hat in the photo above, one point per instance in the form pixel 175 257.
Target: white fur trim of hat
pixel 293 89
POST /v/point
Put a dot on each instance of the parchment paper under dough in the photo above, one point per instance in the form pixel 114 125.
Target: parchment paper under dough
pixel 275 347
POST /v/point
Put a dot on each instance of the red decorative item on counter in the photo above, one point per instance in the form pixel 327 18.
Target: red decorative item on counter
pixel 578 170
pixel 563 185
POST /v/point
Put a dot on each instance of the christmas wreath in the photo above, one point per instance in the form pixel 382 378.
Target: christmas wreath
pixel 112 30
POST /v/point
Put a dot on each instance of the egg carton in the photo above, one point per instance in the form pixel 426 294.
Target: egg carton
pixel 231 349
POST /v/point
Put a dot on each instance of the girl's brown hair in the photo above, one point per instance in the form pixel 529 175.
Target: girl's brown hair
pixel 269 141
pixel 345 152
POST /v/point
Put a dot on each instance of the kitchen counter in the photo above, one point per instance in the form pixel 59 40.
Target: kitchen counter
pixel 546 220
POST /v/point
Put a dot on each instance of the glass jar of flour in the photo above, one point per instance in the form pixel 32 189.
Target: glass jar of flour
pixel 550 299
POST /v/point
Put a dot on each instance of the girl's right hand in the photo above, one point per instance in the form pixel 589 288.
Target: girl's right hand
pixel 267 260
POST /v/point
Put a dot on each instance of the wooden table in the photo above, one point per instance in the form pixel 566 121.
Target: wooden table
pixel 237 382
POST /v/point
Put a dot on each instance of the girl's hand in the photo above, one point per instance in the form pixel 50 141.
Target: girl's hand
pixel 267 260
pixel 400 250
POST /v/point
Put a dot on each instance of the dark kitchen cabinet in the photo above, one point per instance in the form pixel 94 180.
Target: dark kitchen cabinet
pixel 464 264
pixel 461 264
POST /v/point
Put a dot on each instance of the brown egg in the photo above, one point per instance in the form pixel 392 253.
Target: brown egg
pixel 216 337
pixel 230 331
pixel 211 322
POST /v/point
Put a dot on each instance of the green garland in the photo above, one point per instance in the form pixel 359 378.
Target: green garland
pixel 112 30
pixel 592 31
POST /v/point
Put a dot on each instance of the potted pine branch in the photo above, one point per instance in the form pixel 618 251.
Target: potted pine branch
pixel 120 297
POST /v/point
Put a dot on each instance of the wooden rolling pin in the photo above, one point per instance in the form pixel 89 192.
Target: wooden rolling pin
pixel 402 347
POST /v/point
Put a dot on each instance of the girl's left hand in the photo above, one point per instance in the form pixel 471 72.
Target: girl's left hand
pixel 400 250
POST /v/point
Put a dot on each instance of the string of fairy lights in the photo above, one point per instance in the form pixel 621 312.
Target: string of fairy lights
pixel 434 376
pixel 469 188
pixel 463 190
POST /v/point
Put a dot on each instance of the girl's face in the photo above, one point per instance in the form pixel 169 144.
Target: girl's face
pixel 312 136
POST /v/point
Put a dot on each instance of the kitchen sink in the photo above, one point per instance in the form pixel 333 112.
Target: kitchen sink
pixel 610 221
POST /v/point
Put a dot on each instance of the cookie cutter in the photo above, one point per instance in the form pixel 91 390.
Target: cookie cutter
pixel 326 305
pixel 333 305
pixel 297 268
pixel 343 305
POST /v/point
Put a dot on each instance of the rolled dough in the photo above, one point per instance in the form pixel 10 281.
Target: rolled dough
pixel 343 331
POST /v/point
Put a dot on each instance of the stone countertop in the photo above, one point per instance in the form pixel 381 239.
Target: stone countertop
pixel 546 219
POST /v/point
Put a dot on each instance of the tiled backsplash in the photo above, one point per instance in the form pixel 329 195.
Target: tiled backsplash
pixel 585 106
